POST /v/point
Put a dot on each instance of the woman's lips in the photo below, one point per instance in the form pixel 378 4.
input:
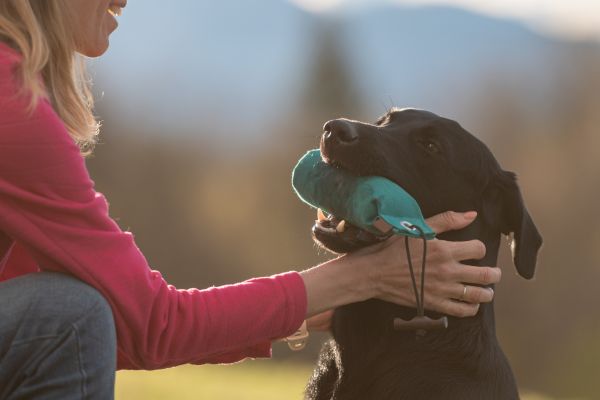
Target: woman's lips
pixel 116 8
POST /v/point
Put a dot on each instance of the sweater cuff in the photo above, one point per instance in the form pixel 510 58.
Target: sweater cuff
pixel 296 302
pixel 261 350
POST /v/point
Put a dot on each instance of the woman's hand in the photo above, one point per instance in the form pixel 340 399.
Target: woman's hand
pixel 447 280
pixel 381 271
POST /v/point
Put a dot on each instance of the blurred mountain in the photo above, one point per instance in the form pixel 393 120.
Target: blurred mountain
pixel 439 57
pixel 226 64
pixel 233 66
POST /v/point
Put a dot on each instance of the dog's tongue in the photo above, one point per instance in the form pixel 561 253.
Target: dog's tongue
pixel 374 204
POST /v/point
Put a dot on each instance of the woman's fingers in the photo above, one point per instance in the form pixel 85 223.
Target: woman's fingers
pixel 450 221
pixel 477 275
pixel 468 293
pixel 450 286
pixel 469 250
pixel 455 308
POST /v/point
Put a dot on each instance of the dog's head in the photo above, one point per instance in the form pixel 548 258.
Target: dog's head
pixel 440 164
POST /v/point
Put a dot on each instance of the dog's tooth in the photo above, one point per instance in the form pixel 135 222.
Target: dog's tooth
pixel 321 215
pixel 341 227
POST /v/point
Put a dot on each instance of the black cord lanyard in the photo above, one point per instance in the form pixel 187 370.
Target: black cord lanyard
pixel 419 299
pixel 420 322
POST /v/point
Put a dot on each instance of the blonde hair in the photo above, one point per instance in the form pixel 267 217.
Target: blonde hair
pixel 38 30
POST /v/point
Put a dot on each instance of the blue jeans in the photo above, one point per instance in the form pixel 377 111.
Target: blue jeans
pixel 57 339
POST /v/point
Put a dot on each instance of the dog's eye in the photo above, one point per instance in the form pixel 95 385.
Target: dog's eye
pixel 430 146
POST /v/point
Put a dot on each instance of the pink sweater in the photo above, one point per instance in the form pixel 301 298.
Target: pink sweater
pixel 51 219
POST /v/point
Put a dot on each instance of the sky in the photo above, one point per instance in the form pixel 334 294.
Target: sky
pixel 577 19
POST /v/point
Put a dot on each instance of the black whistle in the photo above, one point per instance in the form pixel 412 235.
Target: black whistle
pixel 421 324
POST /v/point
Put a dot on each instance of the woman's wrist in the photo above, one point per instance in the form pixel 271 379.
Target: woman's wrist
pixel 337 282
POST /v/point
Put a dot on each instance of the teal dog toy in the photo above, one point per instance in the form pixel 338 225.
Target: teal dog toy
pixel 374 204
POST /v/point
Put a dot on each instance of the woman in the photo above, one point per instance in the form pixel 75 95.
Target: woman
pixel 71 278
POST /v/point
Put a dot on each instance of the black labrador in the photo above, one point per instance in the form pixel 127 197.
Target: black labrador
pixel 443 167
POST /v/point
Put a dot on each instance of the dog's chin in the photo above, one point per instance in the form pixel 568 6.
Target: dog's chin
pixel 328 235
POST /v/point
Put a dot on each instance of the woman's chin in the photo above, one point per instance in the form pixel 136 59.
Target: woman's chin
pixel 96 43
pixel 94 50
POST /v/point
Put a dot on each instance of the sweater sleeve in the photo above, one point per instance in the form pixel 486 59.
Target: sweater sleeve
pixel 49 206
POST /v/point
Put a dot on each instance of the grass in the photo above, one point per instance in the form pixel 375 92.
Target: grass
pixel 250 380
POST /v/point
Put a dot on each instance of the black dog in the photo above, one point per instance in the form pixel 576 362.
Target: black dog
pixel 444 168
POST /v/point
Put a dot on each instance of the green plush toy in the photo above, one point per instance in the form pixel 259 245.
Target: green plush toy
pixel 372 203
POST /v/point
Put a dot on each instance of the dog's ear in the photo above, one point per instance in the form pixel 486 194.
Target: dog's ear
pixel 503 205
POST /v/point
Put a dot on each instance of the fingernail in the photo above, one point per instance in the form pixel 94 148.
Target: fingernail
pixel 470 214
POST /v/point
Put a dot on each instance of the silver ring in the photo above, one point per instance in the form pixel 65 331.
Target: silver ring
pixel 464 293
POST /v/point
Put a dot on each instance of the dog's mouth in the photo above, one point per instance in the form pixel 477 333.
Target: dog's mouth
pixel 340 236
pixel 330 224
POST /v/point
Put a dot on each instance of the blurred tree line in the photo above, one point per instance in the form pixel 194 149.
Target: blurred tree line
pixel 204 215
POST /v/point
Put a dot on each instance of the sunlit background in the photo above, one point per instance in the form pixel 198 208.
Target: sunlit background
pixel 208 104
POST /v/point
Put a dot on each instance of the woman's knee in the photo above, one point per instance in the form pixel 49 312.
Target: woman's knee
pixel 81 304
pixel 57 328
pixel 47 302
pixel 79 297
pixel 88 313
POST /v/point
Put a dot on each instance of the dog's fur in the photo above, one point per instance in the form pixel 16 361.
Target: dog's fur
pixel 444 168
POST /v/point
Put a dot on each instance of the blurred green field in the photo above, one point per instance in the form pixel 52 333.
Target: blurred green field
pixel 257 379
pixel 250 380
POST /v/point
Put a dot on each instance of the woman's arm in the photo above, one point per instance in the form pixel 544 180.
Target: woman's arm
pixel 48 205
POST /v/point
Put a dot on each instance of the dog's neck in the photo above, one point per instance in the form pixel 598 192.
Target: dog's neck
pixel 366 340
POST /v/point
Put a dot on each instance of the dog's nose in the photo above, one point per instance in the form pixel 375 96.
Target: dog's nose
pixel 341 130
